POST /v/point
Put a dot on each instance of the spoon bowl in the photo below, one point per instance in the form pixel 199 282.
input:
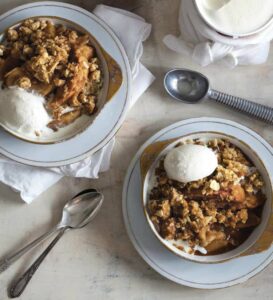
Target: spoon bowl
pixel 80 210
pixel 186 85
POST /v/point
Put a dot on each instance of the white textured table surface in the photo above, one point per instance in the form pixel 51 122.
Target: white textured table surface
pixel 99 262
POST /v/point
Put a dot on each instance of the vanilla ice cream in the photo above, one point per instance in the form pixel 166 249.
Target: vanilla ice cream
pixel 186 246
pixel 23 112
pixel 236 16
pixel 190 162
pixel 215 4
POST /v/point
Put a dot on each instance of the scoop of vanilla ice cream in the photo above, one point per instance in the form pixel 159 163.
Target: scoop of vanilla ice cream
pixel 23 111
pixel 190 162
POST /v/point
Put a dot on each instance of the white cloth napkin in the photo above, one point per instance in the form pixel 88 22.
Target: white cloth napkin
pixel 206 45
pixel 21 177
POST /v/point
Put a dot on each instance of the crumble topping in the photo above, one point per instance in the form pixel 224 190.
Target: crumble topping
pixel 217 212
pixel 55 61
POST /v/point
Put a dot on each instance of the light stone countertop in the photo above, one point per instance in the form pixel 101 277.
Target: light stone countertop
pixel 99 262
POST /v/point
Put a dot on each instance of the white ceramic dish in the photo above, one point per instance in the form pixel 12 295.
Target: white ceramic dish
pixel 105 124
pixel 166 263
pixel 267 210
pixel 198 6
pixel 112 80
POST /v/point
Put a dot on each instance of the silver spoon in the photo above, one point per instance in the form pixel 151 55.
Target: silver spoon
pixel 9 260
pixel 192 87
pixel 77 214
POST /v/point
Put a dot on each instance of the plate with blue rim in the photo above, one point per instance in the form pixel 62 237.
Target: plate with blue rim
pixel 166 263
pixel 106 123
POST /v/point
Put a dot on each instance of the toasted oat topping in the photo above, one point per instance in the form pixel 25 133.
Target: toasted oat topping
pixel 218 212
pixel 55 61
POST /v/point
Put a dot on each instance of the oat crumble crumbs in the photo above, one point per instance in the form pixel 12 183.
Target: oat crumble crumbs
pixel 217 212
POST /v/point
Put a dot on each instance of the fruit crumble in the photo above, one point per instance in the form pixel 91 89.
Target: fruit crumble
pixel 216 213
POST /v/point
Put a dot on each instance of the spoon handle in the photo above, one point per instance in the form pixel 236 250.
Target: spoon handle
pixel 19 285
pixel 259 111
pixel 9 260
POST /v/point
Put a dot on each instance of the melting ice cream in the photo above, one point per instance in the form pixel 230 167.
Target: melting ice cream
pixel 190 162
pixel 23 112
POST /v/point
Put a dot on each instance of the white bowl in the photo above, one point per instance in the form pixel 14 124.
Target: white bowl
pixel 198 5
pixel 112 80
pixel 267 209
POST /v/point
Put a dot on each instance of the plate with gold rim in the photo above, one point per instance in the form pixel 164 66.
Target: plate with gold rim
pixel 78 142
pixel 166 263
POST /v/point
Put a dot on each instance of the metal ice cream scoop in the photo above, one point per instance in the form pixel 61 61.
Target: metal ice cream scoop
pixel 192 87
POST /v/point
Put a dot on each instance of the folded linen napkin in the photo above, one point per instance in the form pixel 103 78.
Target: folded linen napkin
pixel 21 177
pixel 206 45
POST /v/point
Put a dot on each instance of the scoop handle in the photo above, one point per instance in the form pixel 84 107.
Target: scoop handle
pixel 259 111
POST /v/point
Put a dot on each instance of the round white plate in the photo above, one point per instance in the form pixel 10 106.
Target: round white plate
pixel 109 119
pixel 204 276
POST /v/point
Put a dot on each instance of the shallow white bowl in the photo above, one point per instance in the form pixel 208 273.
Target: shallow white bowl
pixel 267 209
pixel 105 125
pixel 112 80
